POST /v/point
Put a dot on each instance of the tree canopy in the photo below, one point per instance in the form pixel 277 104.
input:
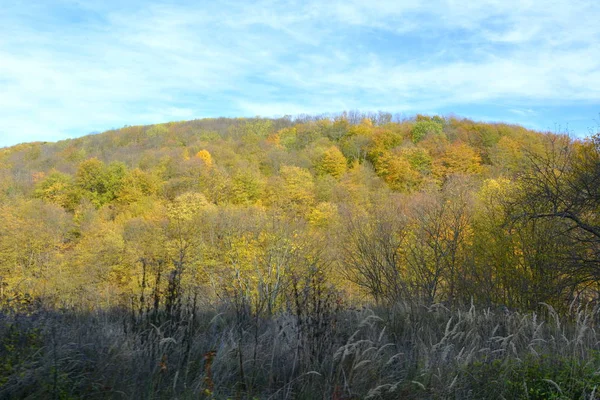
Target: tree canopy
pixel 442 209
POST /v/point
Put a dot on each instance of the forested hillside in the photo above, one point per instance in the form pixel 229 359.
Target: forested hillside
pixel 276 220
pixel 435 209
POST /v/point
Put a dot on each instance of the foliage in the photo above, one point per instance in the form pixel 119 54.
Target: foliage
pixel 242 258
pixel 205 156
pixel 430 208
pixel 425 127
pixel 332 162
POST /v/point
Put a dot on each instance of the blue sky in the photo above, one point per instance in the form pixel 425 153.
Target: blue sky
pixel 68 68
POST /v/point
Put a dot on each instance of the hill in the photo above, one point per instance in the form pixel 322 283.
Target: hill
pixel 348 257
pixel 424 208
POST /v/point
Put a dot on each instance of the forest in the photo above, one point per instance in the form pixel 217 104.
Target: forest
pixel 359 255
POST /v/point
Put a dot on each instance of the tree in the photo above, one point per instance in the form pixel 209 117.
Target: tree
pixel 183 234
pixel 438 241
pixel 332 162
pixel 56 188
pixel 293 191
pixel 426 127
pixel 398 172
pixel 458 158
pixel 372 253
pixel 246 187
pixel 563 183
pixel 158 130
pixel 418 158
pixel 206 158
pixel 32 237
pixel 136 185
pixel 508 156
pixel 98 182
pixel 323 214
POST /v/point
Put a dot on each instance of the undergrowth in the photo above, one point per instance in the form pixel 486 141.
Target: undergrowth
pixel 408 351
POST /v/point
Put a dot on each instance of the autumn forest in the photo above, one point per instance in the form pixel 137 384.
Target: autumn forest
pixel 361 255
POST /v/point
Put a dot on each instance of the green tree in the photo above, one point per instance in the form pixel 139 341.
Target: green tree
pixel 100 183
pixel 423 128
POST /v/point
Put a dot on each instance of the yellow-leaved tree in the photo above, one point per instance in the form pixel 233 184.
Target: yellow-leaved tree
pixel 293 190
pixel 398 172
pixel 206 157
pixel 458 158
pixel 332 162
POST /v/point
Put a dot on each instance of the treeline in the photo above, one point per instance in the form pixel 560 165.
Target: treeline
pixel 260 213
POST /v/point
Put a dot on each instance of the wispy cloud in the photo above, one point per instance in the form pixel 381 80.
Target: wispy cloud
pixel 68 68
pixel 523 112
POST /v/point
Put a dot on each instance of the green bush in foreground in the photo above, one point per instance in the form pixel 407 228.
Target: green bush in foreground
pixel 536 377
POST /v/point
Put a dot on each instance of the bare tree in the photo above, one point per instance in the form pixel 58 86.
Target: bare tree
pixel 436 250
pixel 563 184
pixel 372 257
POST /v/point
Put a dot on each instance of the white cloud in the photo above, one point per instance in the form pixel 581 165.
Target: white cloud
pixel 165 61
pixel 522 112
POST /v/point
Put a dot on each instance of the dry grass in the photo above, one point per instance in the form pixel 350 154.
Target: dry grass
pixel 409 352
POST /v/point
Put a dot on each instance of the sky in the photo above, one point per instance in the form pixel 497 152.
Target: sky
pixel 69 68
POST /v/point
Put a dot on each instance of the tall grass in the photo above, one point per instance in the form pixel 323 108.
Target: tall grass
pixel 408 351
